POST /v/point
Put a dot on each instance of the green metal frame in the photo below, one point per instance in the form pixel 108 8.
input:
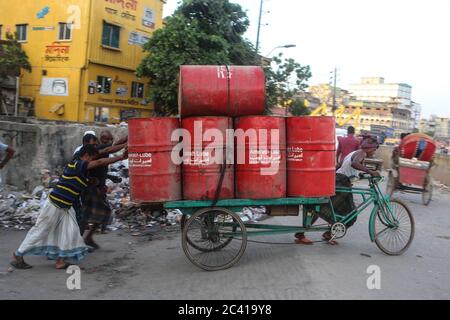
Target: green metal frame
pixel 370 196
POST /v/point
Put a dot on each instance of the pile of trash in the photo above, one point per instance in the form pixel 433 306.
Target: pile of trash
pixel 441 186
pixel 131 216
pixel 135 217
pixel 19 209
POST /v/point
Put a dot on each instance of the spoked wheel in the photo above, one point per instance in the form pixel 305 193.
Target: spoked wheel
pixel 214 239
pixel 394 228
pixel 198 243
pixel 391 184
pixel 427 194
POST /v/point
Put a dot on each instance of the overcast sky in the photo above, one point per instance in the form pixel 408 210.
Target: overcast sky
pixel 403 41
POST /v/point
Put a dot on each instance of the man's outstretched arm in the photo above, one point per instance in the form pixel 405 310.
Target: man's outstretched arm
pixel 9 154
pixel 107 161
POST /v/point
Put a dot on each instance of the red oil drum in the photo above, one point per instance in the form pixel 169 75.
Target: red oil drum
pixel 311 156
pixel 231 91
pixel 260 145
pixel 154 177
pixel 206 176
pixel 419 146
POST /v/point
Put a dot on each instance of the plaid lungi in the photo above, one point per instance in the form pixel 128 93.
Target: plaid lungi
pixel 95 206
pixel 343 202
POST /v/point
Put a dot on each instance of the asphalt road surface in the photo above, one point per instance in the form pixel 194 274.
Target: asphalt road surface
pixel 135 268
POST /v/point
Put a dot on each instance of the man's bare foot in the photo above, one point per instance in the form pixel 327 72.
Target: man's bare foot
pixel 91 243
pixel 61 264
pixel 327 237
pixel 19 263
pixel 302 239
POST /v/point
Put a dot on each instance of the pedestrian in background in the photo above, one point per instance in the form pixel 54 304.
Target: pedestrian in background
pixel 5 149
pixel 347 145
pixel 87 137
pixel 6 152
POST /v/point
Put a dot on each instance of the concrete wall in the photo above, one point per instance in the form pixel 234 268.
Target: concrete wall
pixel 440 171
pixel 41 145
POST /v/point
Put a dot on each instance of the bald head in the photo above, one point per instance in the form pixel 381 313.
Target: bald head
pixel 106 137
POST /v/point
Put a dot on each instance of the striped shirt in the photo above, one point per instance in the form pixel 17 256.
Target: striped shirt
pixel 70 185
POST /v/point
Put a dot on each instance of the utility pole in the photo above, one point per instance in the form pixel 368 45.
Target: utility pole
pixel 259 25
pixel 335 90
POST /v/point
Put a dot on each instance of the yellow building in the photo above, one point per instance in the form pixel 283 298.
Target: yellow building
pixel 84 55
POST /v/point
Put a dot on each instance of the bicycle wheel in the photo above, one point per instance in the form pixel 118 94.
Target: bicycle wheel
pixel 197 243
pixel 394 230
pixel 427 194
pixel 214 239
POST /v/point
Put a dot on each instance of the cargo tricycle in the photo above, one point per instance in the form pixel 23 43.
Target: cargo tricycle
pixel 214 237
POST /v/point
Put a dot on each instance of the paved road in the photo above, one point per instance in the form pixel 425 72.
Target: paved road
pixel 132 268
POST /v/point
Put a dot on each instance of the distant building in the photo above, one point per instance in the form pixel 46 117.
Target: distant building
pixel 376 90
pixel 442 128
pixel 395 96
pixel 416 112
pixel 428 126
pixel 439 127
pixel 374 114
pixel 84 55
pixel 371 106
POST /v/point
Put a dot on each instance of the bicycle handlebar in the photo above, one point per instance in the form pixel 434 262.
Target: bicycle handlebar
pixel 365 176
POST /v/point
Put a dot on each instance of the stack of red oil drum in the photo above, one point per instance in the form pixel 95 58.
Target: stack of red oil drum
pixel 223 147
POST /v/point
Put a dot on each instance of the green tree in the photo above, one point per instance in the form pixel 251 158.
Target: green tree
pixel 298 108
pixel 199 32
pixel 210 33
pixel 12 58
pixel 285 79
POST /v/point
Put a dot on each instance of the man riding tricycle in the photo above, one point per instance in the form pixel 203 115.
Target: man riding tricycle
pixel 215 237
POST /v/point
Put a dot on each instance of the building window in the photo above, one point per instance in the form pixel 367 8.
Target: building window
pixel 21 30
pixel 129 114
pixel 104 85
pixel 111 35
pixel 137 90
pixel 101 114
pixel 65 31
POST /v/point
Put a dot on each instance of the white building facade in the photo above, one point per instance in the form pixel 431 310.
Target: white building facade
pixel 396 96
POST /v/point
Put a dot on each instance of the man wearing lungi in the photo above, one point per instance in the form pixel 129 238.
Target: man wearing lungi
pixel 56 233
pixel 342 202
pixel 95 206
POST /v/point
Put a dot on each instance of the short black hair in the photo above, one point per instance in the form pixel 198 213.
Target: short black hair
pixel 88 149
pixel 87 138
pixel 351 130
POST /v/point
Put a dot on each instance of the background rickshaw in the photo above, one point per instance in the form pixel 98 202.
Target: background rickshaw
pixel 412 176
pixel 412 163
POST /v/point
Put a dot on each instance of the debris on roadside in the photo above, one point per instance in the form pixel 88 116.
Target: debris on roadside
pixel 441 186
pixel 253 214
pixel 19 210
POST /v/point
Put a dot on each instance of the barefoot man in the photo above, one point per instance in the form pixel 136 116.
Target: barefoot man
pixel 56 233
